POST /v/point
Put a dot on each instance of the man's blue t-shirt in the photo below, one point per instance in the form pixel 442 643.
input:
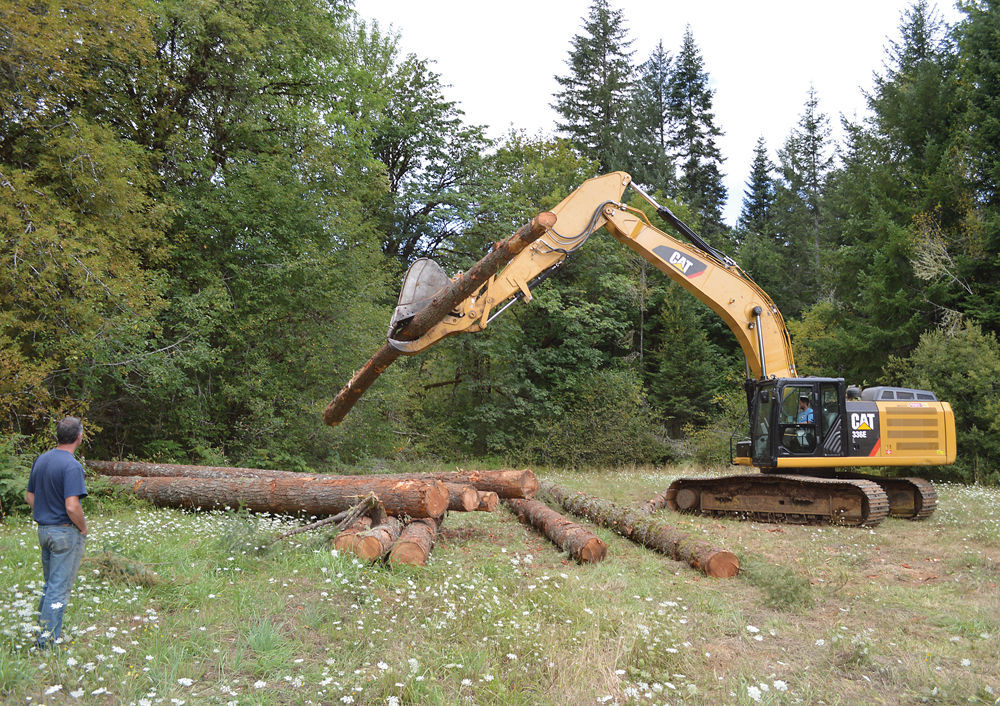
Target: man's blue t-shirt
pixel 805 416
pixel 55 476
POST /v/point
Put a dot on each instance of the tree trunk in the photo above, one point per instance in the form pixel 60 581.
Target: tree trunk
pixel 415 542
pixel 176 470
pixel 462 497
pixel 581 544
pixel 348 537
pixel 377 541
pixel 657 502
pixel 488 501
pixel 443 303
pixel 314 496
pixel 505 483
pixel 636 525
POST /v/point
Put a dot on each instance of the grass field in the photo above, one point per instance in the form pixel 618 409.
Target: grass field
pixel 905 613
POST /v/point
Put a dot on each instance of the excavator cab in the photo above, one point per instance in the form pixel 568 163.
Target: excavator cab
pixel 796 418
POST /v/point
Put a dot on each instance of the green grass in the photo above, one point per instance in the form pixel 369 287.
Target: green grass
pixel 907 612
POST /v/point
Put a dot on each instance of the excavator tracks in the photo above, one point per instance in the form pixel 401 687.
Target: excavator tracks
pixel 909 498
pixel 783 498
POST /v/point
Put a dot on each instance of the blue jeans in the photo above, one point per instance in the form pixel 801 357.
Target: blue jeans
pixel 62 551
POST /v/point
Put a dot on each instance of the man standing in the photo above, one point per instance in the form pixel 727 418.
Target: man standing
pixel 54 491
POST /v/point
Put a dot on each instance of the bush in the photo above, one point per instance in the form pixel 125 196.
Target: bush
pixel 962 368
pixel 606 422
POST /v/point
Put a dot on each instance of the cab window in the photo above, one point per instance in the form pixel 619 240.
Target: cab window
pixel 798 430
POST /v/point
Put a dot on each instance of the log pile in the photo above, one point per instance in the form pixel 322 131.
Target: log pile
pixel 415 503
pixel 636 525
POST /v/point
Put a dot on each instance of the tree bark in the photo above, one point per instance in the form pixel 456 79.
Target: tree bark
pixel 657 502
pixel 315 496
pixel 348 537
pixel 452 295
pixel 415 542
pixel 376 542
pixel 637 526
pixel 176 470
pixel 488 501
pixel 579 542
pixel 462 497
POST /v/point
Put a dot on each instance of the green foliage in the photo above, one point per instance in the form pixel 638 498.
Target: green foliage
pixel 712 442
pixel 962 368
pixel 15 466
pixel 593 100
pixel 783 587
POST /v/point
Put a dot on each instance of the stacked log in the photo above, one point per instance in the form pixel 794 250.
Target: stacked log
pixel 375 543
pixel 311 495
pixel 415 542
pixel 488 501
pixel 462 497
pixel 579 542
pixel 348 537
pixel 507 483
pixel 636 526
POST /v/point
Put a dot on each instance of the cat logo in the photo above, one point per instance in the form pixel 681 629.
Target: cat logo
pixel 863 422
pixel 686 265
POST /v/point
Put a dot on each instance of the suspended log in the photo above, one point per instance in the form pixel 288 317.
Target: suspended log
pixel 462 497
pixel 488 501
pixel 657 502
pixel 579 542
pixel 348 537
pixel 507 483
pixel 637 526
pixel 443 303
pixel 415 542
pixel 376 542
pixel 315 496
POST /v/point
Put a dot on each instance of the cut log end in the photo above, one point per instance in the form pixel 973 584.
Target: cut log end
pixel 722 565
pixel 488 501
pixel 593 551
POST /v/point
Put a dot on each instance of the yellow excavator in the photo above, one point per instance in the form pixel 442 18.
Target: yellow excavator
pixel 798 431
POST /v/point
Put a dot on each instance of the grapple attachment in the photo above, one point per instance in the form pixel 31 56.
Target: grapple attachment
pixel 422 282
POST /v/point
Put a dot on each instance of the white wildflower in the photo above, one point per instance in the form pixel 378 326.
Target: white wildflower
pixel 820 642
pixel 185 681
pixel 966 662
pixel 259 684
pixel 780 685
pixel 382 666
pixel 53 689
pixel 753 692
pixel 753 629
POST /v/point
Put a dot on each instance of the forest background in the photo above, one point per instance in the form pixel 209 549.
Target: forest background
pixel 207 207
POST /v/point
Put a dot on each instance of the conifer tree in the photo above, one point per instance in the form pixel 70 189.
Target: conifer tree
pixel 694 136
pixel 649 127
pixel 595 93
pixel 758 199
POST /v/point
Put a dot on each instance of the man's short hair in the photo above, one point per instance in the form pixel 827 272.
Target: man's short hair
pixel 68 430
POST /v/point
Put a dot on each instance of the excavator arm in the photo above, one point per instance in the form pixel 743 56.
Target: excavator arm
pixel 704 272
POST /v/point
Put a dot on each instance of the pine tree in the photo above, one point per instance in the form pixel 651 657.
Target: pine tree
pixel 595 94
pixel 758 199
pixel 805 161
pixel 649 130
pixel 694 134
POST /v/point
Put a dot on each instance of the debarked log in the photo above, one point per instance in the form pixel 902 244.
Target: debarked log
pixel 314 496
pixel 375 542
pixel 579 542
pixel 415 542
pixel 459 289
pixel 636 525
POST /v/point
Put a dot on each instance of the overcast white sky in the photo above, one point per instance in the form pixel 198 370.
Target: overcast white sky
pixel 500 58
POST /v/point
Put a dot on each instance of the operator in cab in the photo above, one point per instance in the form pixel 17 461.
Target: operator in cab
pixel 805 415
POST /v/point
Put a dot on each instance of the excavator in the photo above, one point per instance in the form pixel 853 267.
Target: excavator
pixel 800 432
